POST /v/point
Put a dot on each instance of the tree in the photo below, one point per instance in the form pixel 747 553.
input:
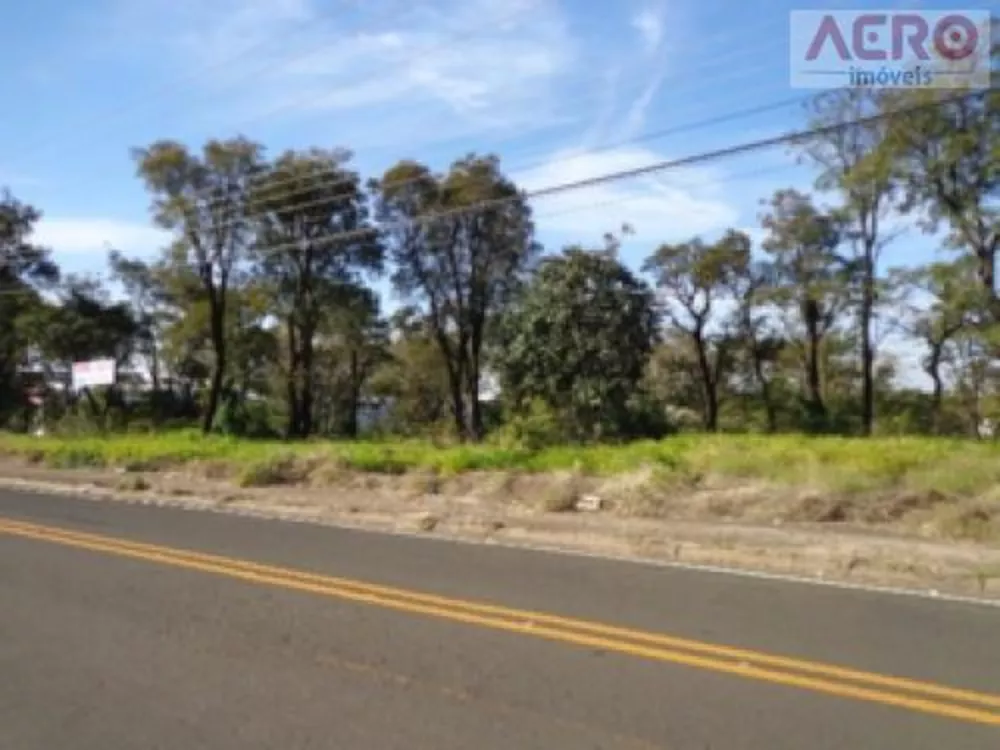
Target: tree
pixel 187 353
pixel 693 279
pixel 83 325
pixel 956 300
pixel 579 339
pixel 146 297
pixel 944 153
pixel 413 379
pixel 809 281
pixel 355 342
pixel 853 163
pixel 461 244
pixel 253 341
pixel 313 242
pixel 762 345
pixel 203 200
pixel 24 266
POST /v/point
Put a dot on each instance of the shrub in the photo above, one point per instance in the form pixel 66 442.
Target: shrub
pixel 273 470
pixel 537 427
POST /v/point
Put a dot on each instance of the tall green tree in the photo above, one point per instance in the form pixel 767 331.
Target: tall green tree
pixel 810 282
pixel 939 302
pixel 24 268
pixel 146 297
pixel 84 324
pixel 355 342
pixel 944 151
pixel 695 279
pixel 754 328
pixel 579 339
pixel 848 148
pixel 461 244
pixel 203 199
pixel 313 246
pixel 413 380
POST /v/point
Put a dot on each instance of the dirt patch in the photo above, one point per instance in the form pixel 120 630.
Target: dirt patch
pixel 928 542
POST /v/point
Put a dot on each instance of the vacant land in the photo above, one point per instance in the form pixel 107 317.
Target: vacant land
pixel 902 510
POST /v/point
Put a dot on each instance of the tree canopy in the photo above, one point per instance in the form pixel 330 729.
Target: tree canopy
pixel 297 296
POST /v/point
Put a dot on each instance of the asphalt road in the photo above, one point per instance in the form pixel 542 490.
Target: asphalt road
pixel 126 627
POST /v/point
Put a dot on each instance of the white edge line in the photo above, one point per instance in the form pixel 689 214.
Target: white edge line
pixel 928 595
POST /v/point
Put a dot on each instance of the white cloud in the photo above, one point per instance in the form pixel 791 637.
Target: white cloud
pixel 671 205
pixel 651 64
pixel 649 24
pixel 492 63
pixel 635 118
pixel 96 235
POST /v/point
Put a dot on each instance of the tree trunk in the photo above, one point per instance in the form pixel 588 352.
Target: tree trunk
pixel 456 387
pixel 291 384
pixel 814 379
pixel 355 396
pixel 154 357
pixel 867 349
pixel 933 369
pixel 456 365
pixel 306 396
pixel 458 407
pixel 987 268
pixel 709 388
pixel 218 333
pixel 769 408
pixel 476 427
pixel 765 393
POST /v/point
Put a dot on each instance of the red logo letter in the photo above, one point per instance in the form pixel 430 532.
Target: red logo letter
pixel 862 36
pixel 916 39
pixel 828 28
pixel 955 37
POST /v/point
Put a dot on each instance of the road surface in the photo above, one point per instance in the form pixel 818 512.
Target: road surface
pixel 127 627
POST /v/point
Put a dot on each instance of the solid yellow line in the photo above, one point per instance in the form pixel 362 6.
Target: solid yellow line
pixel 739 654
pixel 233 569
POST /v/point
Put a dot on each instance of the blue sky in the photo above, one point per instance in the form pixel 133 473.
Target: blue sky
pixel 562 89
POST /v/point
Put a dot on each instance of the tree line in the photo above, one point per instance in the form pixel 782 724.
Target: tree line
pixel 260 318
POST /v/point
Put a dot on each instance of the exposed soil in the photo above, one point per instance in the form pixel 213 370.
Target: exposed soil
pixel 896 542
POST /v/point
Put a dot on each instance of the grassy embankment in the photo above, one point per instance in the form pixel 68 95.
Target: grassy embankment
pixel 884 480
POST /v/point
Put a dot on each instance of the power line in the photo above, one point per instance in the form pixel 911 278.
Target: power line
pixel 536 163
pixel 104 278
pixel 544 192
pixel 570 156
pixel 463 34
pixel 629 198
pixel 566 187
pixel 332 171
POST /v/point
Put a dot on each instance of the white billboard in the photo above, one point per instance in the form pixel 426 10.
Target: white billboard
pixel 93 373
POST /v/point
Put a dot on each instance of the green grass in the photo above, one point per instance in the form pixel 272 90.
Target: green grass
pixel 849 466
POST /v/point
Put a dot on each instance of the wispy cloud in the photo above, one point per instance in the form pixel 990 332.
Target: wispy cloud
pixel 648 22
pixel 635 118
pixel 674 205
pixel 469 63
pixel 92 235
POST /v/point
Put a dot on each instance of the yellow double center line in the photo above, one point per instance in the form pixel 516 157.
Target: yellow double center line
pixel 925 697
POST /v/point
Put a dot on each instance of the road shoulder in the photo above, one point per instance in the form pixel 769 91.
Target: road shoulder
pixel 829 553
